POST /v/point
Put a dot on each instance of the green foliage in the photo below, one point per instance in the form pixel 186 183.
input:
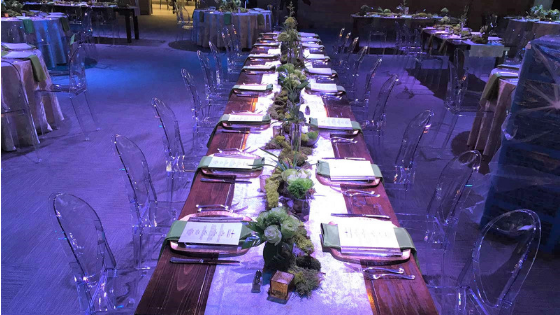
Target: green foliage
pixel 12 8
pixel 230 5
pixel 305 280
pixel 308 262
pixel 313 135
pixel 271 187
pixel 444 11
pixel 300 188
pixel 303 242
pixel 538 12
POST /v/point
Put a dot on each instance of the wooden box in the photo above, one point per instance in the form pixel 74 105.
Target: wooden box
pixel 280 285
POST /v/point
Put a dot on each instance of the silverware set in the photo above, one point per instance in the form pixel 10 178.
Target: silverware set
pixel 175 260
pixel 343 140
pixel 377 273
pixel 357 215
pixel 225 181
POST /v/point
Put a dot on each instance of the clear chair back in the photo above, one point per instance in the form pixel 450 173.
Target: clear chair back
pixel 82 236
pixel 208 75
pixel 503 256
pixel 456 89
pixel 13 91
pixel 77 70
pixel 370 76
pixel 450 187
pixel 170 126
pixel 417 127
pixel 339 41
pixel 378 114
pixel 141 191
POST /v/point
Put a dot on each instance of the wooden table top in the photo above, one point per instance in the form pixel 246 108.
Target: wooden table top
pixel 183 289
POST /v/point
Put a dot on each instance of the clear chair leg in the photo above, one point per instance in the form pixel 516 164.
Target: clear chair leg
pixel 80 120
pixel 92 112
pixel 451 128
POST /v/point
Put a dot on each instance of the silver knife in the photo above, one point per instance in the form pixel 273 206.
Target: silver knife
pixel 227 181
pixel 355 215
pixel 175 260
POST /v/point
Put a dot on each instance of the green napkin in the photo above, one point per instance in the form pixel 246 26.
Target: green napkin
pixel 201 16
pixel 72 39
pixel 178 226
pixel 492 86
pixel 260 19
pixel 331 239
pixel 313 122
pixel 323 168
pixel 225 117
pixel 27 24
pixel 248 88
pixel 65 24
pixel 38 72
pixel 257 163
pixel 227 18
pixel 5 47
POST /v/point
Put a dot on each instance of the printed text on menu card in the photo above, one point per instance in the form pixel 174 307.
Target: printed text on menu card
pixel 338 123
pixel 222 162
pixel 244 118
pixel 367 233
pixel 219 233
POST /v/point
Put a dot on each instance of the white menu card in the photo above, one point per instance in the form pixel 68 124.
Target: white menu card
pixel 323 87
pixel 341 169
pixel 245 118
pixel 219 233
pixel 223 162
pixel 367 234
pixel 334 123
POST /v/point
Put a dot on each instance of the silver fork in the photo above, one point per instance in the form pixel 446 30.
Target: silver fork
pixel 377 276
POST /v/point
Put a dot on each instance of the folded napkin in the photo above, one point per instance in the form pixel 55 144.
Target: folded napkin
pixel 38 71
pixel 267 44
pixel 322 71
pixel 324 169
pixel 17 46
pixel 264 55
pixel 312 45
pixel 27 24
pixel 256 164
pixel 240 118
pixel 511 67
pixel 304 34
pixel 332 240
pixel 325 87
pixel 201 17
pixel 260 19
pixel 492 86
pixel 227 18
pixel 275 51
pixel 316 57
pixel 313 122
pixel 177 228
pixel 253 87
pixel 259 67
pixel 65 24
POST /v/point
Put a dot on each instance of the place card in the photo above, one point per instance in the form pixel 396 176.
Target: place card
pixel 312 45
pixel 308 39
pixel 376 235
pixel 217 233
pixel 342 169
pixel 252 87
pixel 316 57
pixel 323 87
pixel 245 118
pixel 275 51
pixel 230 163
pixel 304 34
pixel 322 71
pixel 258 67
pixel 262 56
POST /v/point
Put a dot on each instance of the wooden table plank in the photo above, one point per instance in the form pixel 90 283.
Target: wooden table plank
pixel 183 289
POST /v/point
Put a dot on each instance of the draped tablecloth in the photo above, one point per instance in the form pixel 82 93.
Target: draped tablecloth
pixel 49 37
pixel 46 114
pixel 342 290
pixel 516 27
pixel 486 132
pixel 208 26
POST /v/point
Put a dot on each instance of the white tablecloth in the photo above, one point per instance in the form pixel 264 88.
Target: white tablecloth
pixel 209 27
pixel 49 35
pixel 45 115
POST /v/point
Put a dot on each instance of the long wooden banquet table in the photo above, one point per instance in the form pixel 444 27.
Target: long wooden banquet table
pixel 184 288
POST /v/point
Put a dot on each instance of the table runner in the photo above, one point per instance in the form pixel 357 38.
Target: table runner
pixel 230 291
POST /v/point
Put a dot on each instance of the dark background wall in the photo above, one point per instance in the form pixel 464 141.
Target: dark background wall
pixel 336 13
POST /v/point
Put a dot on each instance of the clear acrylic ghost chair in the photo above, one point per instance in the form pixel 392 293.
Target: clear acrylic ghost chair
pixel 433 232
pixel 215 95
pixel 345 59
pixel 375 31
pixel 184 21
pixel 18 127
pixel 338 43
pixel 400 176
pixel 102 287
pixel 375 117
pixel 205 117
pixel 340 48
pixel 151 218
pixel 455 103
pixel 501 260
pixel 77 85
pixel 353 73
pixel 173 146
pixel 235 60
pixel 362 99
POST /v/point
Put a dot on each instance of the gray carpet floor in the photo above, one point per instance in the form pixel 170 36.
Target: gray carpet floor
pixel 35 274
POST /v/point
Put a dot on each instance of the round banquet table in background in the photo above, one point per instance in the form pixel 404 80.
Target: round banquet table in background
pixel 46 114
pixel 486 132
pixel 47 29
pixel 208 26
pixel 516 27
pixel 361 25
